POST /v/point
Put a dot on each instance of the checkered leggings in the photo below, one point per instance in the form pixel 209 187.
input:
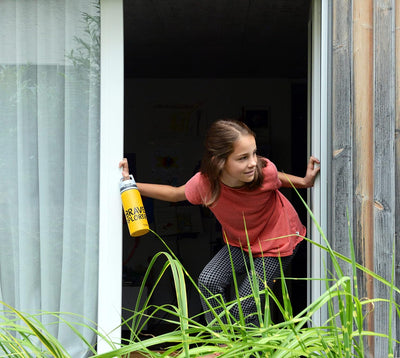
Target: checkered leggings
pixel 216 277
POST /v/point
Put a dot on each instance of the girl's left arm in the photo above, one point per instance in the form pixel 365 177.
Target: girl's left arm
pixel 313 169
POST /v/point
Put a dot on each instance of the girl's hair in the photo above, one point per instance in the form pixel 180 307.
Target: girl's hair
pixel 219 144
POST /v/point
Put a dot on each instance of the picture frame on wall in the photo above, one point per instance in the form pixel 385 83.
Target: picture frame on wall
pixel 257 117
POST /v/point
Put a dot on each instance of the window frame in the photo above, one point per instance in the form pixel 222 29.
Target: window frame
pixel 319 135
pixel 111 152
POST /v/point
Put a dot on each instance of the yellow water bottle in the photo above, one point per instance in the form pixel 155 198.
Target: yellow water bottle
pixel 133 207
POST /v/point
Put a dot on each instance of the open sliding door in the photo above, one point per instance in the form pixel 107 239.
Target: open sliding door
pixel 112 94
pixel 111 151
pixel 318 142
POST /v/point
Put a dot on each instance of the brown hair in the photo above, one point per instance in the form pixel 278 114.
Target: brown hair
pixel 219 144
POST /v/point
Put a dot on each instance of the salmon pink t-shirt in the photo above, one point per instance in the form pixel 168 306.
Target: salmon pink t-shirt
pixel 272 224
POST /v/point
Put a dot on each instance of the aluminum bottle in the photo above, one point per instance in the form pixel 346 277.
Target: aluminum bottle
pixel 133 207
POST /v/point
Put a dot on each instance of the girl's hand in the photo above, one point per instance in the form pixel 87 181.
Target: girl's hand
pixel 125 168
pixel 313 169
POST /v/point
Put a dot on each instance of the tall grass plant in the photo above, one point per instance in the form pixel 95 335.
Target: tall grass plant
pixel 296 335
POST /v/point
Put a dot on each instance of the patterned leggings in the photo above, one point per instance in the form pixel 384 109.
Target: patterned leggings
pixel 217 275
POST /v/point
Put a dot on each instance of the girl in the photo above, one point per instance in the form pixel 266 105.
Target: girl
pixel 241 189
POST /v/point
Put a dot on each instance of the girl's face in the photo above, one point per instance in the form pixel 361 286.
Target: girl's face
pixel 240 166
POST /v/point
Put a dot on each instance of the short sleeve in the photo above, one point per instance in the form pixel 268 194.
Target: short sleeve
pixel 271 178
pixel 196 189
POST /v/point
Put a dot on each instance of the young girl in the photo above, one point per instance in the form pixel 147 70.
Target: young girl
pixel 241 189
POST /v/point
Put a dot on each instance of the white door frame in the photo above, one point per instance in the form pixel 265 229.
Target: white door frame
pixel 111 152
pixel 319 139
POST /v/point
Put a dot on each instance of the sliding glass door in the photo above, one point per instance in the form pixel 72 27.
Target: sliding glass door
pixel 50 162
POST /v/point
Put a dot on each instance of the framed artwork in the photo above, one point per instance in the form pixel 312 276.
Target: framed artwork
pixel 256 116
pixel 259 121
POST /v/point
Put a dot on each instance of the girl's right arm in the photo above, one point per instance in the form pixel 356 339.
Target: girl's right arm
pixel 162 192
pixel 155 191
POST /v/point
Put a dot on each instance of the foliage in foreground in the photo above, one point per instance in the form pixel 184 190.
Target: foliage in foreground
pixel 342 335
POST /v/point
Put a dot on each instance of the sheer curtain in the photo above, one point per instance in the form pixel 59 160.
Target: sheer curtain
pixel 49 160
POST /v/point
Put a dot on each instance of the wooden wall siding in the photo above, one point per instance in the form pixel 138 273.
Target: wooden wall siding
pixel 363 156
pixel 397 163
pixel 342 133
pixel 385 160
pixel 365 145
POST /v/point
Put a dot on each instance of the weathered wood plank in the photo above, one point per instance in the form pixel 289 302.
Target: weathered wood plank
pixel 384 160
pixel 363 147
pixel 342 133
pixel 366 145
pixel 397 169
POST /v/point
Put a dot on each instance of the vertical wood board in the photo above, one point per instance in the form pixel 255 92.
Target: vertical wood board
pixel 363 147
pixel 384 158
pixel 397 168
pixel 342 134
pixel 366 147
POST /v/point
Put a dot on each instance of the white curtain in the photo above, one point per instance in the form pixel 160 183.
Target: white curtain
pixel 49 160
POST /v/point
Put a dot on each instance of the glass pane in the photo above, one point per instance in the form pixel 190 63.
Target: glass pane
pixel 49 160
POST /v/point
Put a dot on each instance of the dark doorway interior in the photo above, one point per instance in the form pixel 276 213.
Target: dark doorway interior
pixel 186 65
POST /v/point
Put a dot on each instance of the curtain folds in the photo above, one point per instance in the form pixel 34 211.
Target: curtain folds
pixel 49 160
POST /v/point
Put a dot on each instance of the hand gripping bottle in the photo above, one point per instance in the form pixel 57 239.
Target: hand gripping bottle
pixel 133 207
